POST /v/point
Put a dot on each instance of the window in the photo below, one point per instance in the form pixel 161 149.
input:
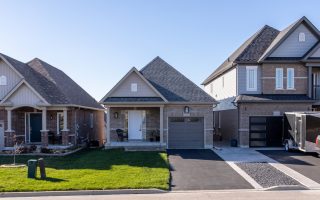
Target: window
pixel 211 88
pixel 91 120
pixel 134 87
pixel 302 37
pixel 290 78
pixel 3 80
pixel 219 119
pixel 60 122
pixel 279 78
pixel 252 78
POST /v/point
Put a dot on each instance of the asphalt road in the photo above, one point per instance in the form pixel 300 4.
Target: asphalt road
pixel 202 170
pixel 306 164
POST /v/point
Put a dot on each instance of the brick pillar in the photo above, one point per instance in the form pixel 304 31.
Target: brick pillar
pixel 44 138
pixel 65 137
pixel 10 138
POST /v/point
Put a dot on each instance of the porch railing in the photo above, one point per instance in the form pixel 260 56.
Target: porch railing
pixel 148 135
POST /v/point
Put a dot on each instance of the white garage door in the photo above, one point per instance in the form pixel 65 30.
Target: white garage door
pixel 186 133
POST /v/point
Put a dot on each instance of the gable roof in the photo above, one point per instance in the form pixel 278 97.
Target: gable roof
pixel 107 97
pixel 259 46
pixel 52 84
pixel 308 55
pixel 285 33
pixel 173 85
pixel 249 52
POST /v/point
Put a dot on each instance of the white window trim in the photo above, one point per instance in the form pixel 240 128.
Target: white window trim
pixel 58 121
pixel 279 86
pixel 255 83
pixel 293 78
pixel 134 87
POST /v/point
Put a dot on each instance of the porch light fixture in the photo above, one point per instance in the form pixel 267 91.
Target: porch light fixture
pixel 116 115
pixel 186 109
pixel 51 117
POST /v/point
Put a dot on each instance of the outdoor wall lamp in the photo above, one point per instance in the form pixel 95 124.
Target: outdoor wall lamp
pixel 186 109
pixel 116 115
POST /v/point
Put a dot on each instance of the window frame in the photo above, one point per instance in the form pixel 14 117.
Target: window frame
pixel 279 86
pixel 60 114
pixel 255 78
pixel 292 78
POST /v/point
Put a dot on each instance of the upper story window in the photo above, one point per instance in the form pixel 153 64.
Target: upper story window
pixel 290 78
pixel 302 37
pixel 252 78
pixel 3 80
pixel 134 87
pixel 279 78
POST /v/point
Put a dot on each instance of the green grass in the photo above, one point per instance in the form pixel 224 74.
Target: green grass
pixel 90 170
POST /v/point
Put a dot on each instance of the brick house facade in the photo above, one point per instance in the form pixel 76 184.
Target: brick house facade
pixel 273 72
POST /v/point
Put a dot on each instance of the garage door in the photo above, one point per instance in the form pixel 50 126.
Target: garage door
pixel 266 131
pixel 186 133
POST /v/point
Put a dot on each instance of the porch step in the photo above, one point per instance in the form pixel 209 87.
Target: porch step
pixel 151 148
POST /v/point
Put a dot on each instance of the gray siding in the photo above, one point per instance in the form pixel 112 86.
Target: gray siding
pixel 291 47
pixel 124 89
pixel 316 54
pixel 242 81
pixel 12 79
pixel 24 96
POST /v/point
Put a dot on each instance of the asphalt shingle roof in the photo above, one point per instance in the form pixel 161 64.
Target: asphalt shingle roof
pixel 133 99
pixel 173 85
pixel 250 51
pixel 271 97
pixel 52 84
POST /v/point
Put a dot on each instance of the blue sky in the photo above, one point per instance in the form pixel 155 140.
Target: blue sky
pixel 97 41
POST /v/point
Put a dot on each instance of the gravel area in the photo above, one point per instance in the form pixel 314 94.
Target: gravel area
pixel 266 175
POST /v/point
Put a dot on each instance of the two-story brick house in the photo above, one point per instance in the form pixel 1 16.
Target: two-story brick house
pixel 271 73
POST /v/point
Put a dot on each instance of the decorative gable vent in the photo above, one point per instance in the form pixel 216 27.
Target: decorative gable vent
pixel 3 80
pixel 302 37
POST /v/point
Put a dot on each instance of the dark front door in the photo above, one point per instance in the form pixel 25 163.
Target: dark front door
pixel 35 127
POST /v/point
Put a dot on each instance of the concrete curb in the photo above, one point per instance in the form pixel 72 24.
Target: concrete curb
pixel 81 192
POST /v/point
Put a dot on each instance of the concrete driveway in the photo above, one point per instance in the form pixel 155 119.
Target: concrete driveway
pixel 306 164
pixel 202 170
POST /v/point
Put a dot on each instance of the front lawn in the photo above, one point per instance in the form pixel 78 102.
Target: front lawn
pixel 90 170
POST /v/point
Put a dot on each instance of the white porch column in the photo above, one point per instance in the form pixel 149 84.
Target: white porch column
pixel 108 126
pixel 44 119
pixel 9 119
pixel 161 125
pixel 65 120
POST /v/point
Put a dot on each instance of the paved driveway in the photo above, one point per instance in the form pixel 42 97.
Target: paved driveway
pixel 306 164
pixel 202 170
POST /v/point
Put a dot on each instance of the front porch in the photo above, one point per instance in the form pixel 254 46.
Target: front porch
pixel 138 126
pixel 39 126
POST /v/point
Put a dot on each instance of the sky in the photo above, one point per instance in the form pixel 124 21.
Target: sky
pixel 96 42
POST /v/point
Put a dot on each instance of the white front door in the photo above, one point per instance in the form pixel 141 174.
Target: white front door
pixel 1 135
pixel 135 119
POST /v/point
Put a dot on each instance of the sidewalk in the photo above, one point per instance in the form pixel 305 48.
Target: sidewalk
pixel 222 195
